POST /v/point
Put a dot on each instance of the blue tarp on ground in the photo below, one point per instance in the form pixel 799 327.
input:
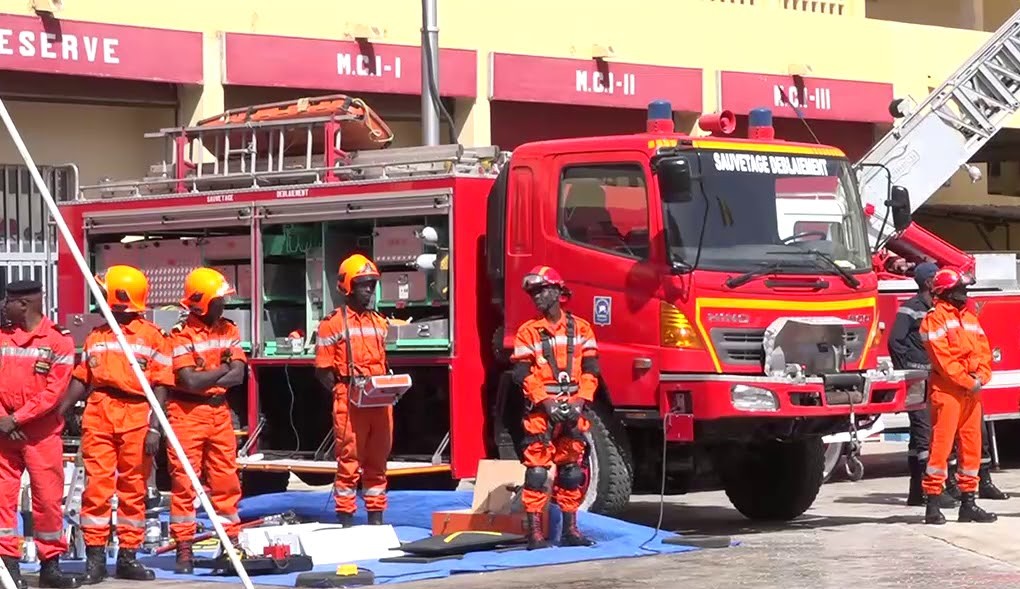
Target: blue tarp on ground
pixel 410 512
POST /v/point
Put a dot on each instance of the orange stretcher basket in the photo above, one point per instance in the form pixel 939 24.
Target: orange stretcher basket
pixel 361 128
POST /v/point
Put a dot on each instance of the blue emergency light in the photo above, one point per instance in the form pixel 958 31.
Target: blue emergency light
pixel 660 117
pixel 759 124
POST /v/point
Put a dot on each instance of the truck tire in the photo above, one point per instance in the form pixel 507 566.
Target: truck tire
pixel 608 465
pixel 772 481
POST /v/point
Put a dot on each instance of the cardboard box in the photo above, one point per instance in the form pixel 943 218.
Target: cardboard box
pixel 495 505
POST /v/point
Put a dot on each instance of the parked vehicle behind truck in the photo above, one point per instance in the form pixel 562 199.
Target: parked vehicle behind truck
pixel 737 340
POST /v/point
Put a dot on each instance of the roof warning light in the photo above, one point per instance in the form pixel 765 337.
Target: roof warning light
pixel 660 117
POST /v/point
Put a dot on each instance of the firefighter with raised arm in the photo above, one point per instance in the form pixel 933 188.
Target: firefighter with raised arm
pixel 961 364
pixel 207 361
pixel 120 432
pixel 36 359
pixel 350 348
pixel 555 361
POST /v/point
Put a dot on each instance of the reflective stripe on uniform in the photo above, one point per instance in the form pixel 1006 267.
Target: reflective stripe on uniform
pixel 205 346
pixel 986 460
pixel 232 518
pixel 130 523
pixel 182 519
pixel 338 492
pixel 16 352
pixel 911 312
pixel 966 472
pixel 138 349
pixel 584 343
pixel 47 535
pixel 374 492
pixel 8 532
pixel 355 332
pixel 558 388
pixel 87 520
pixel 951 324
pixel 934 470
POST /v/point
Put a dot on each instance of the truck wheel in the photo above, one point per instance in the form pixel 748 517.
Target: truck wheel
pixel 772 481
pixel 833 460
pixel 609 474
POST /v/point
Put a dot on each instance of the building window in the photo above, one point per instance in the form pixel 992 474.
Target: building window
pixel 605 207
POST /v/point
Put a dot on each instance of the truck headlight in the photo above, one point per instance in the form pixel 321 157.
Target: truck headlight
pixel 748 398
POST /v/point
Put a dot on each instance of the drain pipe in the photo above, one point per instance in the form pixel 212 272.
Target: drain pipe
pixel 429 72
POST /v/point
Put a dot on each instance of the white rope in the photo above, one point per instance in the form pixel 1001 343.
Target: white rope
pixel 139 374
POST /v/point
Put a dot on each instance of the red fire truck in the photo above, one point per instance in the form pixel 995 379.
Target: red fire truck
pixel 729 340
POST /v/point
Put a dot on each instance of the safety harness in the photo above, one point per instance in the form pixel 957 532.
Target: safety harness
pixel 563 387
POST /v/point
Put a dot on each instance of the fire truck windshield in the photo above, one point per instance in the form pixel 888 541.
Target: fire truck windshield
pixel 784 211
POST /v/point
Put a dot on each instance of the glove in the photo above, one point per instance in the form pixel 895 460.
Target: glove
pixel 152 442
pixel 17 435
pixel 551 408
pixel 576 408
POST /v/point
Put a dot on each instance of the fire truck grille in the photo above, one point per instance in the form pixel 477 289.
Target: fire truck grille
pixel 744 346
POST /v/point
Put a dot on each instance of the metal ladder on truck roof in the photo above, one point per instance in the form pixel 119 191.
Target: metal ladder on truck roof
pixel 945 130
pixel 293 152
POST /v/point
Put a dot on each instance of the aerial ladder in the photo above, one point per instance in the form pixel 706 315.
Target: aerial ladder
pixel 937 138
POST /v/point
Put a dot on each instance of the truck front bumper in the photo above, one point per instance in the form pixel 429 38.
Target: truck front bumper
pixel 687 398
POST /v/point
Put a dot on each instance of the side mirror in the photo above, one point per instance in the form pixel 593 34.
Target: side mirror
pixel 899 201
pixel 674 179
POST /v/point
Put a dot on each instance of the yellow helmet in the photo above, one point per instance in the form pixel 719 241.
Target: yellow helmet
pixel 354 267
pixel 202 286
pixel 127 288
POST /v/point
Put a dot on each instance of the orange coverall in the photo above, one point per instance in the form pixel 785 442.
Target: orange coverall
pixel 364 435
pixel 35 368
pixel 204 427
pixel 539 344
pixel 959 354
pixel 114 426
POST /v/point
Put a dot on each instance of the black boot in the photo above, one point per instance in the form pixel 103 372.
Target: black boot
pixel 185 564
pixel 571 536
pixel 915 495
pixel 970 512
pixel 375 518
pixel 987 489
pixel 50 575
pixel 95 565
pixel 345 519
pixel 951 489
pixel 129 568
pixel 536 539
pixel 14 568
pixel 933 513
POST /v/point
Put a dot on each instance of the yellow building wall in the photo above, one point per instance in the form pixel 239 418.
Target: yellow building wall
pixel 664 32
pixel 837 40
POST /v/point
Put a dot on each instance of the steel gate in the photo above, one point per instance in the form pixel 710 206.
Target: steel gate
pixel 28 236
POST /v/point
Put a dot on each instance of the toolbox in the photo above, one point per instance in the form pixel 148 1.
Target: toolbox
pixel 380 391
pixel 403 286
pixel 397 245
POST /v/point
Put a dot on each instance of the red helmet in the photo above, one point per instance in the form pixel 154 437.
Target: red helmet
pixel 541 276
pixel 946 279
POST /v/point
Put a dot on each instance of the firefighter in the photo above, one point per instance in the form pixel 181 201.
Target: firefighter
pixel 207 360
pixel 908 353
pixel 960 365
pixel 555 361
pixel 351 345
pixel 121 434
pixel 36 359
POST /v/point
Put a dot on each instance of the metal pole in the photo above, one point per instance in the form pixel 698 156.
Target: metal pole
pixel 429 61
pixel 108 315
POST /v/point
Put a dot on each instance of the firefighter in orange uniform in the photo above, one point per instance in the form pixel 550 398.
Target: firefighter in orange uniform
pixel 208 360
pixel 36 358
pixel 961 363
pixel 556 364
pixel 351 346
pixel 121 434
